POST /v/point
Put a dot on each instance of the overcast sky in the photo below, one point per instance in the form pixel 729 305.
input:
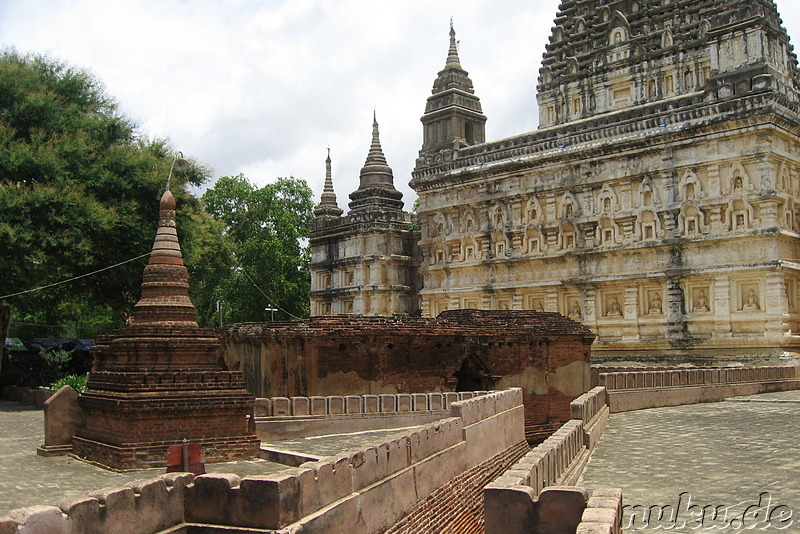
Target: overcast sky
pixel 263 87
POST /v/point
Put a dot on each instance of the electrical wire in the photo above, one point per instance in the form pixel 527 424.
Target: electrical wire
pixel 273 302
pixel 74 277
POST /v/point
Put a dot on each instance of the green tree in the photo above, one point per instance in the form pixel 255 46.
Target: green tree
pixel 79 190
pixel 266 230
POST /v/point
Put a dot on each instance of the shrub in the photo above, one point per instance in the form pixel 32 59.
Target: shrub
pixel 77 382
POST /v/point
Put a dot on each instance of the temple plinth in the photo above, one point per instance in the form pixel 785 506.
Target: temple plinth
pixel 162 379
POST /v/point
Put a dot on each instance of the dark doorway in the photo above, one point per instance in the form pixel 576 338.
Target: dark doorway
pixel 474 376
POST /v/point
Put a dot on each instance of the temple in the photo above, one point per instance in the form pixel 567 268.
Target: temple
pixel 657 203
pixel 364 262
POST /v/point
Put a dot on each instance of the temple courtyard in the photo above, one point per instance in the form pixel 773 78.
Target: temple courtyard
pixel 699 468
pixel 740 455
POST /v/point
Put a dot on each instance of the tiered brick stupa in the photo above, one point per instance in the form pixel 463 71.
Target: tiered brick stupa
pixel 162 378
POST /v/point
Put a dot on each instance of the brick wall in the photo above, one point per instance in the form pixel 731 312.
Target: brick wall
pixel 457 507
pixel 635 389
pixel 546 354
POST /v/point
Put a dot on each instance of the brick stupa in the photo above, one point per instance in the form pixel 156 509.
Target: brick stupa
pixel 162 378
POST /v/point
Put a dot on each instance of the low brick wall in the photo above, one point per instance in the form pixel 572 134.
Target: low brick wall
pixel 536 494
pixel 638 389
pixel 363 491
pixel 27 396
pixel 280 418
pixel 359 404
pixel 592 410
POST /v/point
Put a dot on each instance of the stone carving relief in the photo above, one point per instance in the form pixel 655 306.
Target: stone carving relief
pixel 568 206
pixel 740 215
pixel 608 200
pixel 438 225
pixel 618 36
pixel 791 294
pixel 535 303
pixel 649 227
pixel 438 253
pixel 607 232
pixel 784 181
pixel 750 298
pixel 700 302
pixel 533 211
pixel 574 310
pixel 470 249
pixel 533 241
pixel 567 237
pixel 739 182
pixel 501 245
pixel 648 194
pixel 690 186
pixel 666 39
pixel 469 222
pixel 572 66
pixel 498 217
pixel 613 306
pixel 692 220
pixel 654 303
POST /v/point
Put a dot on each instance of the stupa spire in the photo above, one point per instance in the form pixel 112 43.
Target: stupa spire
pixel 376 185
pixel 165 283
pixel 452 53
pixel 328 207
pixel 375 155
pixel 453 115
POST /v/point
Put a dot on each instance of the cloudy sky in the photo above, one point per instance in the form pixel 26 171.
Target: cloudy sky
pixel 262 87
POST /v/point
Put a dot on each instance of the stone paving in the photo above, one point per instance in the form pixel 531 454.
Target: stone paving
pixel 740 458
pixel 27 479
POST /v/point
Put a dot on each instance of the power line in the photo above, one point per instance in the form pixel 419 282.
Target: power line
pixel 74 277
pixel 273 302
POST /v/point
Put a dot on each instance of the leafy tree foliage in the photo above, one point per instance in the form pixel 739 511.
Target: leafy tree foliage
pixel 266 229
pixel 79 190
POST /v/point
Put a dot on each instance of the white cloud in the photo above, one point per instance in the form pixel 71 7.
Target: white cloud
pixel 263 87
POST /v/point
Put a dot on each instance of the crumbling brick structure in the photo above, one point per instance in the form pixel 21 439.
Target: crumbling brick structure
pixel 162 378
pixel 546 354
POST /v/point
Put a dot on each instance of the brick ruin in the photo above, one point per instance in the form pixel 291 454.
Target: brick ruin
pixel 546 354
pixel 162 378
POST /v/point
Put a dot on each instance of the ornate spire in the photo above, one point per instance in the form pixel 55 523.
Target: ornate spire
pixel 328 207
pixel 376 186
pixel 452 54
pixel 453 115
pixel 165 283
pixel 376 172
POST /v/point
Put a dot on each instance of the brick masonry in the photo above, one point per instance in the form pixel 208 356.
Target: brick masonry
pixel 162 379
pixel 546 354
pixel 457 507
